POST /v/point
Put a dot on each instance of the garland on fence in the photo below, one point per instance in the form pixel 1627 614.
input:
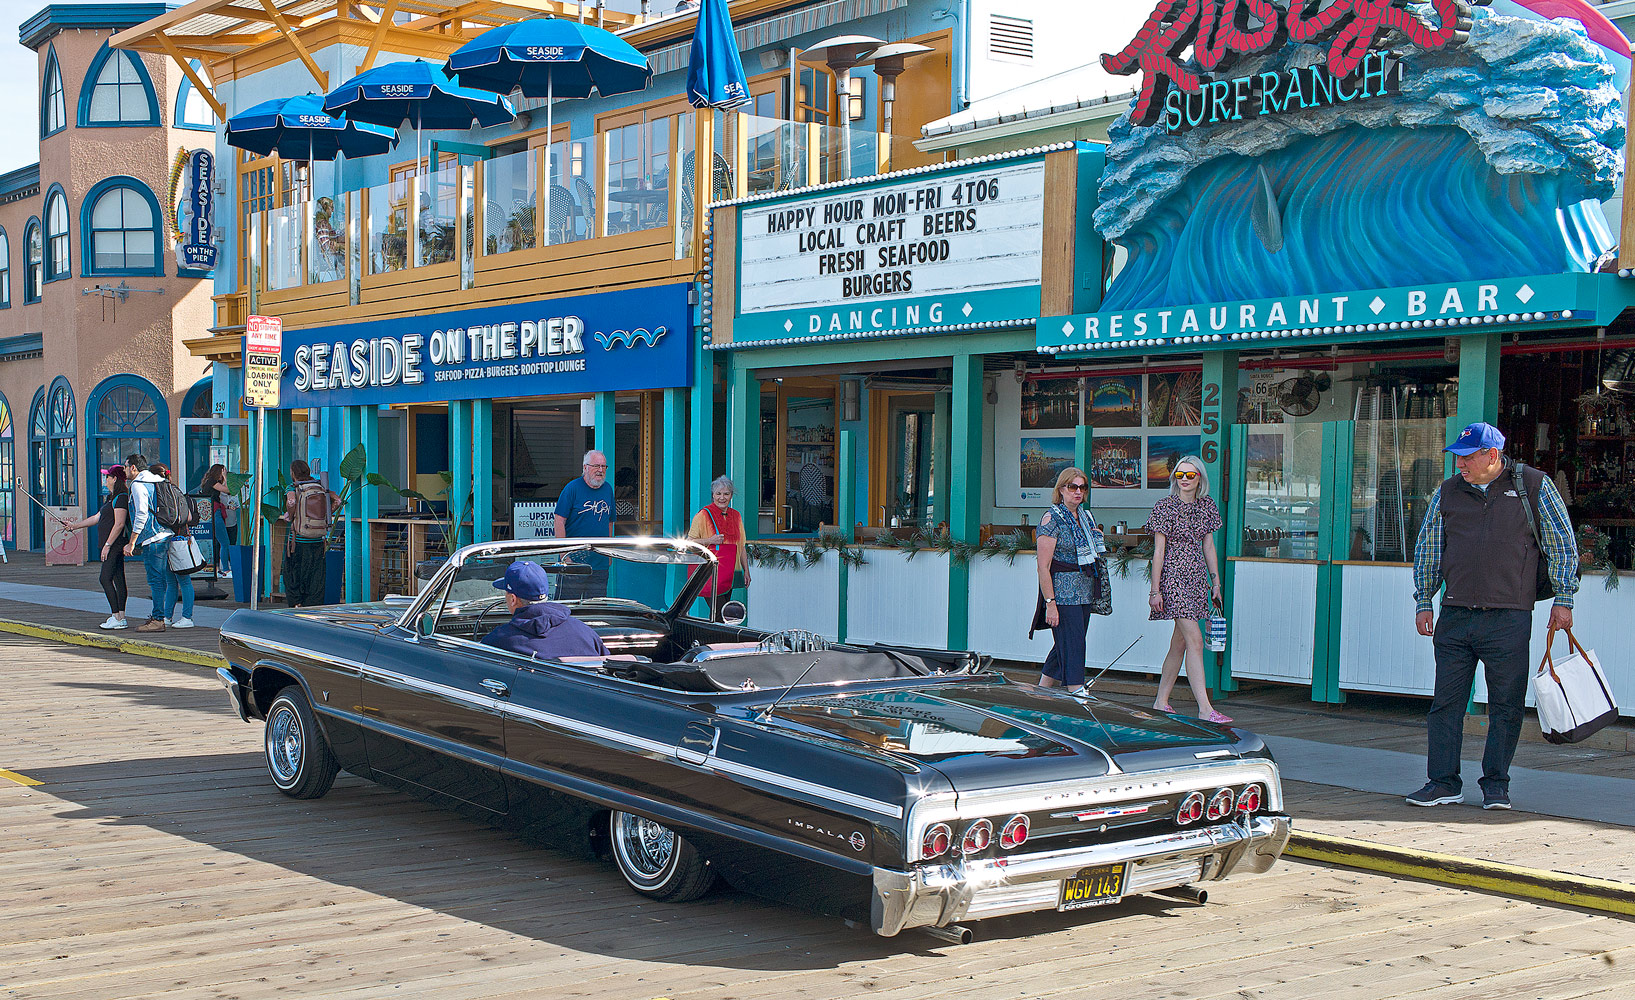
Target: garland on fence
pixel 811 551
pixel 1595 553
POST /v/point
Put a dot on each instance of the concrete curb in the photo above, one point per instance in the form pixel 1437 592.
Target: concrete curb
pixel 139 647
pixel 1581 891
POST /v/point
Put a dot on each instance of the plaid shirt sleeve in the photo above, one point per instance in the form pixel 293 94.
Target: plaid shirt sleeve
pixel 1560 546
pixel 1428 555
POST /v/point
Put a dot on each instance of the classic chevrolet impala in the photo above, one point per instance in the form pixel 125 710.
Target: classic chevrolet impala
pixel 905 788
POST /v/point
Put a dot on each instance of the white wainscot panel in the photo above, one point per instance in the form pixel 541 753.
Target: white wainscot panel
pixel 1274 620
pixel 1002 602
pixel 801 596
pixel 1604 624
pixel 1380 650
pixel 892 598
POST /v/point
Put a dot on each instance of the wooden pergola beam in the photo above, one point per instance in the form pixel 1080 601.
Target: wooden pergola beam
pixel 386 14
pixel 300 47
pixel 181 60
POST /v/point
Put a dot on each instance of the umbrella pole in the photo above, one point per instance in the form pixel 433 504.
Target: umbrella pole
pixel 550 90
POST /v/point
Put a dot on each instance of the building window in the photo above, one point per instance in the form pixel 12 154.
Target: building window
pixel 119 229
pixel 62 444
pixel 34 266
pixel 56 235
pixel 192 110
pixel 36 469
pixel 53 113
pixel 5 270
pixel 127 417
pixel 8 510
pixel 118 92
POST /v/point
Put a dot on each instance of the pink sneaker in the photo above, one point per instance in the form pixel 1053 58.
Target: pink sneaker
pixel 1218 718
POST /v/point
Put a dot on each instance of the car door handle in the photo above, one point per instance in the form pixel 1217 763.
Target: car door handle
pixel 698 743
pixel 498 689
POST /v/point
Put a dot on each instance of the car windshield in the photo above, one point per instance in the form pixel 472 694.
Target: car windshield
pixel 647 577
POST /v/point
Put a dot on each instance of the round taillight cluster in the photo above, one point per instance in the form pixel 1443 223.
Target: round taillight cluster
pixel 1249 799
pixel 937 841
pixel 977 837
pixel 1220 804
pixel 1015 833
pixel 1191 809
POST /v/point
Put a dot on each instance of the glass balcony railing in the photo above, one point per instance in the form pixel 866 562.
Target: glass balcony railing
pixel 627 179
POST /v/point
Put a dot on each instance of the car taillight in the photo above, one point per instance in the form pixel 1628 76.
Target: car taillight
pixel 1249 799
pixel 1015 833
pixel 1191 810
pixel 977 837
pixel 937 841
pixel 1220 804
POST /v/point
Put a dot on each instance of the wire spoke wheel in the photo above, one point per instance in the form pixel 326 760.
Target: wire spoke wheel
pixel 657 862
pixel 285 742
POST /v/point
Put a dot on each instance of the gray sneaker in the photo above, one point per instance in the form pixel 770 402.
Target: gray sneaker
pixel 1434 795
pixel 1495 800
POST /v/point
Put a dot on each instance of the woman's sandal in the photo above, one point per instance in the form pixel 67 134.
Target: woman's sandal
pixel 1164 708
pixel 1218 718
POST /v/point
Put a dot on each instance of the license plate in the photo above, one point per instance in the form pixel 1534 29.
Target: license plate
pixel 1093 886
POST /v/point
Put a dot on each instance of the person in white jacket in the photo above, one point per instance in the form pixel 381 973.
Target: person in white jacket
pixel 151 537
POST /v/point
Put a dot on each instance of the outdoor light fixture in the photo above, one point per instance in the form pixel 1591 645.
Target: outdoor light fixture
pixel 854 100
pixel 851 409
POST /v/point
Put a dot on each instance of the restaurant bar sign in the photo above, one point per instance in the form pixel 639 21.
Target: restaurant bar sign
pixel 589 343
pixel 1540 302
pixel 1175 94
pixel 957 249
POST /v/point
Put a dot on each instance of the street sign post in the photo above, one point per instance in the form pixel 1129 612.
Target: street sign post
pixel 263 344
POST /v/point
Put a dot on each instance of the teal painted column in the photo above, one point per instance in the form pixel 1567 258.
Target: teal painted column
pixel 700 437
pixel 369 496
pixel 276 461
pixel 1081 451
pixel 846 472
pixel 942 417
pixel 673 512
pixel 352 435
pixel 460 450
pixel 1218 412
pixel 606 427
pixel 860 432
pixel 965 495
pixel 1333 546
pixel 482 471
pixel 744 447
pixel 1479 378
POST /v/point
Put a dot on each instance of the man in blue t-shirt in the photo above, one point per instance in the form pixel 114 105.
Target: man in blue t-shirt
pixel 585 510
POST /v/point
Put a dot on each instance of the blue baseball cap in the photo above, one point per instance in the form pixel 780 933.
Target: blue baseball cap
pixel 525 579
pixel 1475 437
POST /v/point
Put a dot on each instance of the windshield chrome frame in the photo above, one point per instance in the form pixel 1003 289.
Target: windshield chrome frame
pixel 549 545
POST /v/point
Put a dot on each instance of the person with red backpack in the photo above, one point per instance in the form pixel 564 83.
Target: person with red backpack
pixel 308 507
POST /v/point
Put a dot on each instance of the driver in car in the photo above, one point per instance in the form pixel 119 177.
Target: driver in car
pixel 539 627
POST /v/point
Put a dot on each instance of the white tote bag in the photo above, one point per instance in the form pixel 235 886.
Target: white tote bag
pixel 185 556
pixel 1572 694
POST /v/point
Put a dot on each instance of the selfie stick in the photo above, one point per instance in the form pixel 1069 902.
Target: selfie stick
pixel 22 484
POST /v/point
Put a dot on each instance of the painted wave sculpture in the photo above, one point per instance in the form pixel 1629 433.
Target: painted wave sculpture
pixel 1490 159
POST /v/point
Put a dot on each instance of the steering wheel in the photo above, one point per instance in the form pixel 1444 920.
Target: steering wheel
pixel 477 632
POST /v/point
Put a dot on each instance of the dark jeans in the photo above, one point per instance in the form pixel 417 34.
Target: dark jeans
pixel 1066 660
pixel 304 574
pixel 1498 637
pixel 113 579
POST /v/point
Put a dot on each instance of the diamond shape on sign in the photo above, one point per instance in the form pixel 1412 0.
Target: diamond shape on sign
pixel 1525 293
pixel 967 309
pixel 1376 305
pixel 1067 329
pixel 788 325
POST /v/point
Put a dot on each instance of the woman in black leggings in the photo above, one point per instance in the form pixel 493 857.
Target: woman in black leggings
pixel 112 522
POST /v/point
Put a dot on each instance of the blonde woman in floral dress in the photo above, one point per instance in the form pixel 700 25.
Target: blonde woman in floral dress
pixel 1186 579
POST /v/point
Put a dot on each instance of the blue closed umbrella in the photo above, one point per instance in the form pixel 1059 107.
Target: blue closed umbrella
pixel 298 128
pixel 418 92
pixel 715 69
pixel 550 57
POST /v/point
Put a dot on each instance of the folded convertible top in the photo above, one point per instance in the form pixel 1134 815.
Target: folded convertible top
pixel 754 671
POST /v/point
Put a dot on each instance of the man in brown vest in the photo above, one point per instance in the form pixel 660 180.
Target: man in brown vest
pixel 1490 533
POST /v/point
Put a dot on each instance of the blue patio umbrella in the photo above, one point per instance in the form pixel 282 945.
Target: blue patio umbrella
pixel 298 128
pixel 417 92
pixel 550 57
pixel 715 69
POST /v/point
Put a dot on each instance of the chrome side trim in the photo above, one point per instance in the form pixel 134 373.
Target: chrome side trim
pixel 783 781
pixel 271 646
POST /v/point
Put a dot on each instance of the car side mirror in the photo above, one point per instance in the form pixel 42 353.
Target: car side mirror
pixel 734 613
pixel 428 622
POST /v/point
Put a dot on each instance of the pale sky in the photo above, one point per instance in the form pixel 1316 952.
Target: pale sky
pixel 19 111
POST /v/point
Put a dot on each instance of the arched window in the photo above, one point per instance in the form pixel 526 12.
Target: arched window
pixel 119 229
pixel 34 262
pixel 37 470
pixel 8 496
pixel 192 110
pixel 117 91
pixel 125 414
pixel 5 270
pixel 62 433
pixel 56 234
pixel 53 112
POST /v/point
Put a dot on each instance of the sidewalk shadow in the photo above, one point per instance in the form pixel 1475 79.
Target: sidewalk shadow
pixel 431 858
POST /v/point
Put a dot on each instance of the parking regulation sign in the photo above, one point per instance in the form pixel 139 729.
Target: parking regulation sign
pixel 263 343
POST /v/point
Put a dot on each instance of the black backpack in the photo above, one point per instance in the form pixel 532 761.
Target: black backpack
pixel 171 509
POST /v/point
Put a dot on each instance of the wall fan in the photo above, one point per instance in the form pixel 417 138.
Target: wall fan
pixel 1299 396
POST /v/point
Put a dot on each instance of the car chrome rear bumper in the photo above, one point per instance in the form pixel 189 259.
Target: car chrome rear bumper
pixel 938 895
pixel 235 692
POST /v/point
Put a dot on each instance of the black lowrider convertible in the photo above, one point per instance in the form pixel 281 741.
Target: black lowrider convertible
pixel 901 787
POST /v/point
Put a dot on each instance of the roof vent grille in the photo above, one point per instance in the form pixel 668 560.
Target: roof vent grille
pixel 1010 37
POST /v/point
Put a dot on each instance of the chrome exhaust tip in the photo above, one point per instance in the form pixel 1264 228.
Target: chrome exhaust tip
pixel 1190 893
pixel 953 933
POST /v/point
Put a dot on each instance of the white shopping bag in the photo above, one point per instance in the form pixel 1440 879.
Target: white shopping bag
pixel 1572 694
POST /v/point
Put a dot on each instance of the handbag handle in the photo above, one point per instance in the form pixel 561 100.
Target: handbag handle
pixel 1548 665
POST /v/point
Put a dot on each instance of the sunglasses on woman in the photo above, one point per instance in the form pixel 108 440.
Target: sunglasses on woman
pixel 1186 474
pixel 1077 487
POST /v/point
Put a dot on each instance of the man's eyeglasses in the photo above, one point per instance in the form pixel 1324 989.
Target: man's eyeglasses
pixel 1077 487
pixel 596 468
pixel 1187 474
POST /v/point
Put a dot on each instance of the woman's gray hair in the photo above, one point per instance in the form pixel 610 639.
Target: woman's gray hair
pixel 721 481
pixel 1203 475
